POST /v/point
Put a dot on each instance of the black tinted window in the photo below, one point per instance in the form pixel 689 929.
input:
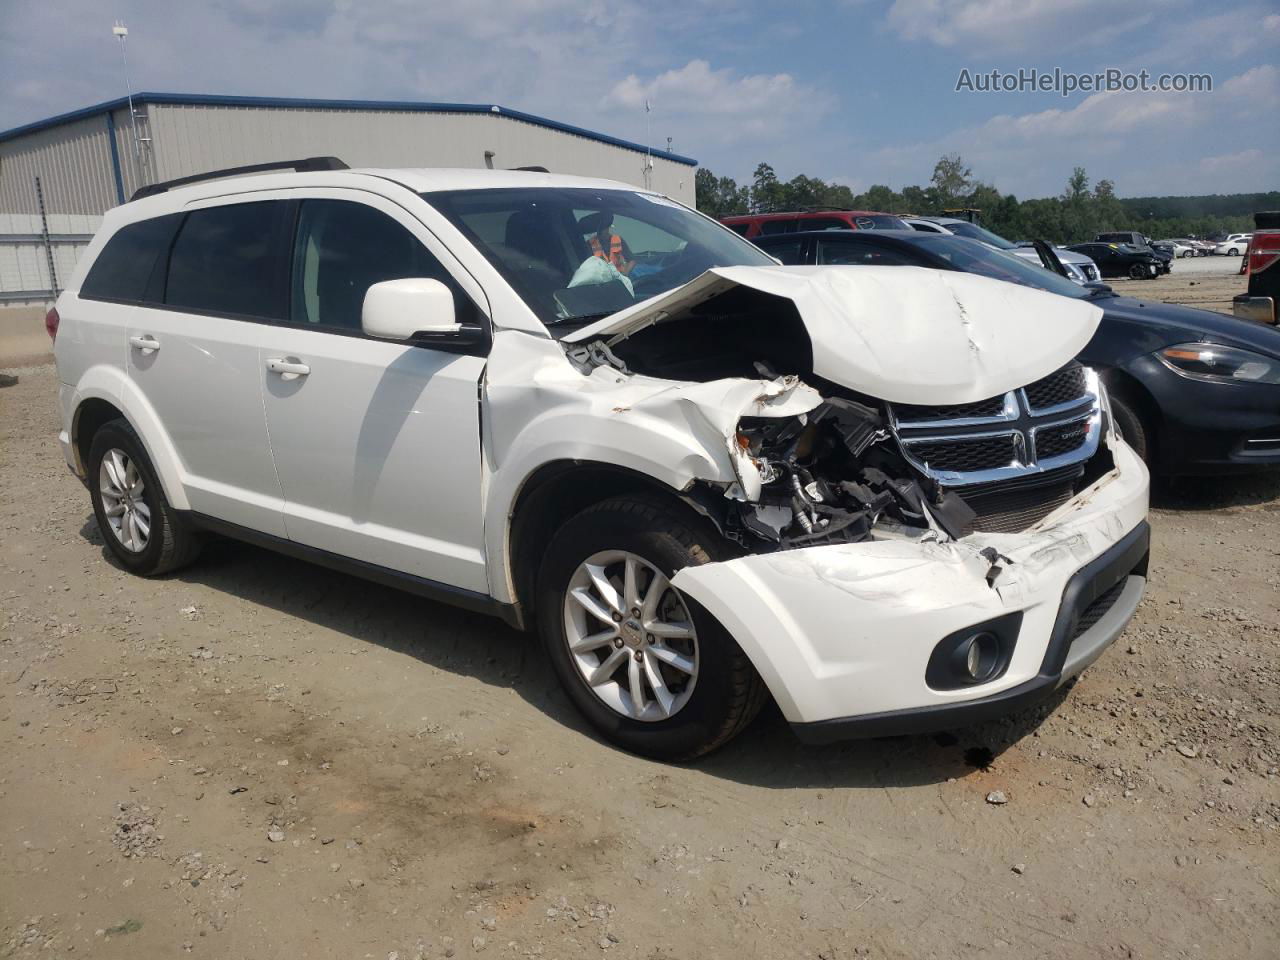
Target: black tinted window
pixel 231 261
pixel 788 251
pixel 768 227
pixel 823 223
pixel 131 262
pixel 343 249
pixel 860 254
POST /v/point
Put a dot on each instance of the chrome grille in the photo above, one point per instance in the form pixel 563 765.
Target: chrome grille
pixel 1052 423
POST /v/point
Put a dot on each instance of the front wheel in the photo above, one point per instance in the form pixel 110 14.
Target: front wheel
pixel 1133 430
pixel 649 668
pixel 1137 272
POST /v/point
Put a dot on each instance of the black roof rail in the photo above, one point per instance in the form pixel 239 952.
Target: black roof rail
pixel 306 165
pixel 532 169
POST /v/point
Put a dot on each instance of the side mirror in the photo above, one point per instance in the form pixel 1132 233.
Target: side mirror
pixel 415 308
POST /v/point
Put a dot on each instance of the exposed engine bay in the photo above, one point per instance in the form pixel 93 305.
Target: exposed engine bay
pixel 841 470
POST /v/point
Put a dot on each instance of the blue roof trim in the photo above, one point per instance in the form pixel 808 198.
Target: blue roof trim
pixel 306 103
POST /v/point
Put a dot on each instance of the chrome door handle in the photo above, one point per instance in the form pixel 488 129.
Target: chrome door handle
pixel 288 367
pixel 146 343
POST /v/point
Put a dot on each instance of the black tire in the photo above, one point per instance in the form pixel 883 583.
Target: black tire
pixel 1131 426
pixel 171 543
pixel 1137 272
pixel 728 692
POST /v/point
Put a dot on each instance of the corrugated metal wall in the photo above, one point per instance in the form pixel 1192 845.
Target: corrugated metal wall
pixel 188 139
pixel 24 260
pixel 74 162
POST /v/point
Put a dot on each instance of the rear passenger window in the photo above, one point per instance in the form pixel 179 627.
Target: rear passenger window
pixel 130 268
pixel 788 251
pixel 231 261
pixel 739 228
pixel 343 249
pixel 858 254
pixel 768 227
pixel 824 223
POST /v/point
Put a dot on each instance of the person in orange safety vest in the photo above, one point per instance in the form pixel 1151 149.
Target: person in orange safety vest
pixel 608 246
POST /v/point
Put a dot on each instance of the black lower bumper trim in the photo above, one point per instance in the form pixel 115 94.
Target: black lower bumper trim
pixel 1128 557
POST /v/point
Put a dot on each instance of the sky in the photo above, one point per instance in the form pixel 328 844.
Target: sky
pixel 858 92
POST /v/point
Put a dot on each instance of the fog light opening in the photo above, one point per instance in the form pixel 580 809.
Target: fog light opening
pixel 977 657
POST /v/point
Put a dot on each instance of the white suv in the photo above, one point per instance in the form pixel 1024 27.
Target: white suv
pixel 887 498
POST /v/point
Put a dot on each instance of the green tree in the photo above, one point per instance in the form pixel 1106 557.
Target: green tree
pixel 766 192
pixel 951 179
pixel 1077 186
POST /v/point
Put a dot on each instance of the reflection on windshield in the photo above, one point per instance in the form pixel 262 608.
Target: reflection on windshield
pixel 577 254
pixel 975 232
pixel 974 257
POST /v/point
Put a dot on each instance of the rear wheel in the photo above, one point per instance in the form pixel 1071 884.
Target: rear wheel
pixel 649 668
pixel 1137 271
pixel 141 529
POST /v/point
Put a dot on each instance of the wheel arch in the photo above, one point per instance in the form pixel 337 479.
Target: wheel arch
pixel 103 395
pixel 550 495
pixel 1120 383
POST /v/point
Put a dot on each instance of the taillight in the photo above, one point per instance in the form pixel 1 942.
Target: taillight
pixel 1264 250
pixel 51 321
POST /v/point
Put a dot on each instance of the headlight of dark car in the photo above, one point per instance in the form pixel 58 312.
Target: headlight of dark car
pixel 1216 363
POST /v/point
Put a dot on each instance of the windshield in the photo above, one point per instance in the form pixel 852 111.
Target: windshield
pixel 974 257
pixel 975 232
pixel 575 255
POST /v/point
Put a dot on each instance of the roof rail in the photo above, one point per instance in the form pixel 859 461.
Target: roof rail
pixel 532 169
pixel 306 165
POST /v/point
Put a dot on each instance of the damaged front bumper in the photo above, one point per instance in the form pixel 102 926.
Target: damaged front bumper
pixel 843 634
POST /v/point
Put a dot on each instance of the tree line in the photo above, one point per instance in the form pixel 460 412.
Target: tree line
pixel 1083 209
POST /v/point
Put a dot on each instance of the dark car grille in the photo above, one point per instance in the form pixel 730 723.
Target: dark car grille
pixel 1011 506
pixel 1060 440
pixel 966 455
pixel 1091 614
pixel 981 409
pixel 1062 386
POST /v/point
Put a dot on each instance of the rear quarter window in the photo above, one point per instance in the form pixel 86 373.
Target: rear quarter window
pixel 130 268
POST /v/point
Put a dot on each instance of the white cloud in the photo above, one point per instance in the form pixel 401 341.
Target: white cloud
pixel 1246 159
pixel 746 104
pixel 1012 25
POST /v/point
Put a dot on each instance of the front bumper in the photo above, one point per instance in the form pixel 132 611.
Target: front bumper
pixel 1097 604
pixel 842 634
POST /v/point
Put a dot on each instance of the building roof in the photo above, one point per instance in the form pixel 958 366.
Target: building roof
pixel 305 103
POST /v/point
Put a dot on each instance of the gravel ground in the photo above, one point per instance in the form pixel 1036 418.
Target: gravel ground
pixel 260 758
pixel 1205 282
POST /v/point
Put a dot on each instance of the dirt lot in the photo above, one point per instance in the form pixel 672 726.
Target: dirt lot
pixel 258 758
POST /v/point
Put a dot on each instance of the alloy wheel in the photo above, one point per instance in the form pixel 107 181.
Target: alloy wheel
pixel 630 636
pixel 123 503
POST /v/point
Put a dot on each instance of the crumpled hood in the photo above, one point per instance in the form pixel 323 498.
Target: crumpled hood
pixel 902 334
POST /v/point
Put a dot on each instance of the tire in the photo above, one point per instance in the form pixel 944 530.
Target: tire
pixel 725 693
pixel 1232 252
pixel 1137 272
pixel 1133 430
pixel 169 543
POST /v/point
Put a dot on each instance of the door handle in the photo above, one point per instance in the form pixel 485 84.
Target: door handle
pixel 288 367
pixel 146 343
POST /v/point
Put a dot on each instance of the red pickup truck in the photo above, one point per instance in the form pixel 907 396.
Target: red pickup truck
pixel 1263 256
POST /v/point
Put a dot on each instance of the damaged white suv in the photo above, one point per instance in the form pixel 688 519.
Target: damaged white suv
pixel 887 498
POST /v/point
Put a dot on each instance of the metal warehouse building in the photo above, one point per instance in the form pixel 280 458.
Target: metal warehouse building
pixel 92 159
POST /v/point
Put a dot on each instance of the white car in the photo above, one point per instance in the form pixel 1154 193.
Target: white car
pixel 1080 268
pixel 1181 248
pixel 884 497
pixel 1233 246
